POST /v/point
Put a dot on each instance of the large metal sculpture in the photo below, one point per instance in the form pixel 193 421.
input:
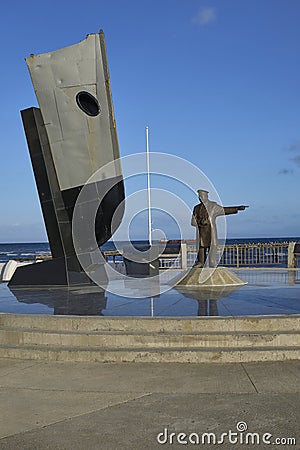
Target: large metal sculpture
pixel 70 136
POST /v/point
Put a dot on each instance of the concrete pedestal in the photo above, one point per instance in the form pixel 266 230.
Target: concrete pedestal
pixel 210 277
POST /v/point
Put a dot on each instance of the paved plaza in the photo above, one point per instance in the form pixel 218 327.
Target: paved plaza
pixel 76 406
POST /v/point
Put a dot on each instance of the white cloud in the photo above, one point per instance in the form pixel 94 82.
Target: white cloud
pixel 205 16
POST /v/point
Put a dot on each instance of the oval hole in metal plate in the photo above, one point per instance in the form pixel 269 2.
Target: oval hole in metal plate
pixel 88 103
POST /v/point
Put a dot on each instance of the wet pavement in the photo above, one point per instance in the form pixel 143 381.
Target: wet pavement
pixel 268 292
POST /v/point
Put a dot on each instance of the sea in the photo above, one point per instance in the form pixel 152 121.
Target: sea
pixel 29 251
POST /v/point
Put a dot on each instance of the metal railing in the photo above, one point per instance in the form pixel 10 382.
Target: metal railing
pixel 274 254
pixel 270 254
pixel 240 255
pixel 170 262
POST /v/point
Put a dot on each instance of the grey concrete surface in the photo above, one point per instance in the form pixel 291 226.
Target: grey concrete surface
pixel 57 405
pixel 217 340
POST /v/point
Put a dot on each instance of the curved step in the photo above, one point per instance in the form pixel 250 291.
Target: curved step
pixel 179 355
pixel 146 340
pixel 149 324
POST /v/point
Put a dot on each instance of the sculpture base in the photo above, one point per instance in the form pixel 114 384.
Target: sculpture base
pixel 210 277
pixel 54 272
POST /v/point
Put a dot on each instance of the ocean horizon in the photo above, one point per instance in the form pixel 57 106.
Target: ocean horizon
pixel 29 250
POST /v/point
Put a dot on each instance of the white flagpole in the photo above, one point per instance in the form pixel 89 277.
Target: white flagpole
pixel 148 188
pixel 149 206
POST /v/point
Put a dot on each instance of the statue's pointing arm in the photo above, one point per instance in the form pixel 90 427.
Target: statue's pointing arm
pixel 234 209
pixel 230 210
pixel 226 210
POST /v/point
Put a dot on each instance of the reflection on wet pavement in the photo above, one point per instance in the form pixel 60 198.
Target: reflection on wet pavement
pixel 267 292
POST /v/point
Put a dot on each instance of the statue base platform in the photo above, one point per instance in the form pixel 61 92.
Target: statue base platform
pixel 210 277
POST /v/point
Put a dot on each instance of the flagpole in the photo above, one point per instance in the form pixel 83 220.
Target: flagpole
pixel 148 188
pixel 149 207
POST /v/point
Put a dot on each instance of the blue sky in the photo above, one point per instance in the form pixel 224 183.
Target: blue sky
pixel 216 81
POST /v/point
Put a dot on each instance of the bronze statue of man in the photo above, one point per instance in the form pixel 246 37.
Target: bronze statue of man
pixel 204 218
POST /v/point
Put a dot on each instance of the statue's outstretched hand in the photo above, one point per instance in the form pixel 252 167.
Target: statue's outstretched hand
pixel 242 207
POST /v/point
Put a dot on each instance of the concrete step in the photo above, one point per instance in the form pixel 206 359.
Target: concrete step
pixel 152 325
pixel 118 340
pixel 193 355
pixel 131 339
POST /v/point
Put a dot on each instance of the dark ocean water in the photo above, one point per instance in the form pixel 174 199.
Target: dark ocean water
pixel 22 250
pixel 31 250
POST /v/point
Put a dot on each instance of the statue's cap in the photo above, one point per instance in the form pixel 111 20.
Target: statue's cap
pixel 201 191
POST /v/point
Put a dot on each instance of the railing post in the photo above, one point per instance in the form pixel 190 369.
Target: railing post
pixel 291 255
pixel 237 257
pixel 183 251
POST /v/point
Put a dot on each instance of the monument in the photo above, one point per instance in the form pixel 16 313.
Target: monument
pixel 204 218
pixel 70 136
